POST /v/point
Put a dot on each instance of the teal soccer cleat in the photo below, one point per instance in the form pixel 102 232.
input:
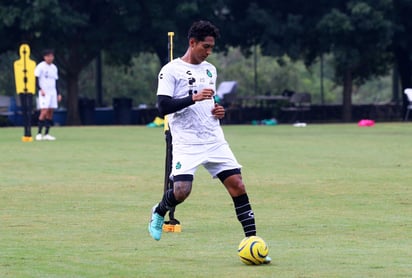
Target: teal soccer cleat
pixel 156 225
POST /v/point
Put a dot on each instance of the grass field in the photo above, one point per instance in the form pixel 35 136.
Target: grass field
pixel 330 201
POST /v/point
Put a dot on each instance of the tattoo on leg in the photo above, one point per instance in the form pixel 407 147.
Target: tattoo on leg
pixel 182 189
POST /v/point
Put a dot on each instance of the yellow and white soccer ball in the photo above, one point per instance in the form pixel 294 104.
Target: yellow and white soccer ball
pixel 253 250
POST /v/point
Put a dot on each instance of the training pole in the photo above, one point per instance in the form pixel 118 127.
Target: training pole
pixel 172 225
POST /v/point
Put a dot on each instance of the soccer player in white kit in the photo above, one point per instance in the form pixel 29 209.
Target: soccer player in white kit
pixel 47 76
pixel 186 87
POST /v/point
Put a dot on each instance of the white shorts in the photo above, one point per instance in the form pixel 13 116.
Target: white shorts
pixel 49 100
pixel 214 157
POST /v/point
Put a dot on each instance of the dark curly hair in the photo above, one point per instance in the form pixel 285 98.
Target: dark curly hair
pixel 202 29
pixel 47 51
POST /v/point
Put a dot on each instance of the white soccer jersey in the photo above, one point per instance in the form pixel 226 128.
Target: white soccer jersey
pixel 47 75
pixel 194 124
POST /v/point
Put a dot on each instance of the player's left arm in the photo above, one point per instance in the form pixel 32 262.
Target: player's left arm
pixel 59 95
pixel 218 111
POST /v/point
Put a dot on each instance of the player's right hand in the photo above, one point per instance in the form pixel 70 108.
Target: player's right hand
pixel 203 94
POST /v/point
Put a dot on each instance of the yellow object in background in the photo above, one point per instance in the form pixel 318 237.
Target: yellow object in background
pixel 25 87
pixel 24 72
pixel 170 46
pixel 157 122
pixel 166 123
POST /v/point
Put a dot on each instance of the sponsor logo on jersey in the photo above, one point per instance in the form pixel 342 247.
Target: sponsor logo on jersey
pixel 192 80
pixel 192 85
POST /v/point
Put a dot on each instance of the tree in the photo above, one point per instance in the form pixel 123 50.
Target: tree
pixel 80 30
pixel 358 36
pixel 357 33
pixel 402 43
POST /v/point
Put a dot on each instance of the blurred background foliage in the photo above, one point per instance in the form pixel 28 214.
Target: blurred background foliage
pixel 138 79
pixel 267 46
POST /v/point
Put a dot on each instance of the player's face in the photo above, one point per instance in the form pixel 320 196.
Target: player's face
pixel 202 49
pixel 49 58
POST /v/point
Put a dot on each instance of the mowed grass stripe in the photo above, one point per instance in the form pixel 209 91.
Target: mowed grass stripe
pixel 330 200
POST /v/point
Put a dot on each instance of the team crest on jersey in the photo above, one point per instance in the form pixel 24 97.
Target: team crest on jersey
pixel 209 73
pixel 178 165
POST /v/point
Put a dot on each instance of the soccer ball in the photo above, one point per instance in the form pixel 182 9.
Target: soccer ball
pixel 253 250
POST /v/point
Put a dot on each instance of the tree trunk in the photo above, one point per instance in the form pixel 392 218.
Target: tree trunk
pixel 347 96
pixel 73 117
pixel 162 55
pixel 405 74
pixel 395 85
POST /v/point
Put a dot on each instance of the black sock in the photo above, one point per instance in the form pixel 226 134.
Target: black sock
pixel 167 203
pixel 245 214
pixel 48 124
pixel 41 124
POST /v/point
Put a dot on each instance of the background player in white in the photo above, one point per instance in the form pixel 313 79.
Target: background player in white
pixel 47 76
pixel 186 87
